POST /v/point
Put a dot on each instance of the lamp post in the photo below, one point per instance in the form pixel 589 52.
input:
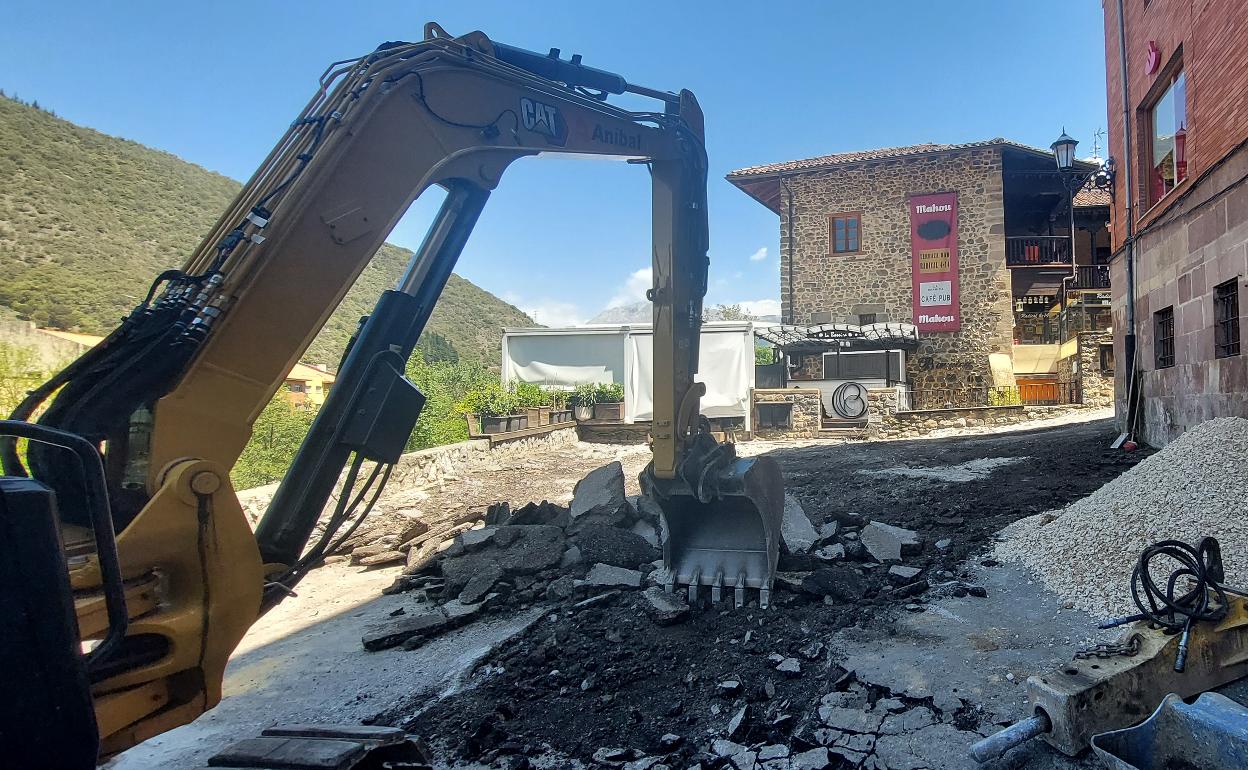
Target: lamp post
pixel 1064 154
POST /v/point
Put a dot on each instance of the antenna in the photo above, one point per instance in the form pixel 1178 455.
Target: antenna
pixel 1097 137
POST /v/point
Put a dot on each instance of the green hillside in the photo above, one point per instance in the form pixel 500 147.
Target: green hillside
pixel 86 220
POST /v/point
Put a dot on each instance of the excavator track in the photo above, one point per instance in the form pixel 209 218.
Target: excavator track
pixel 325 747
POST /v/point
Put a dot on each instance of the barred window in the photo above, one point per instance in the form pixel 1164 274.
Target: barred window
pixel 1163 338
pixel 1226 319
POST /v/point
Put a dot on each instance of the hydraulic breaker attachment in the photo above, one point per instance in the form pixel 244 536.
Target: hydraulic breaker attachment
pixel 722 517
pixel 1117 688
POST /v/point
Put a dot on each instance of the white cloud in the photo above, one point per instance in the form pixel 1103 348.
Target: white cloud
pixel 549 312
pixel 634 288
pixel 759 255
pixel 761 307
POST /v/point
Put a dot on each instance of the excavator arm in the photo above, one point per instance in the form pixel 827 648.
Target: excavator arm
pixel 168 399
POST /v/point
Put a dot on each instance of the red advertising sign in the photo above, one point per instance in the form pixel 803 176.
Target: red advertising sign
pixel 934 261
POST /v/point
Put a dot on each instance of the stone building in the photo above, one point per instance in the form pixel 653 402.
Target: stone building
pixel 1180 210
pixel 853 251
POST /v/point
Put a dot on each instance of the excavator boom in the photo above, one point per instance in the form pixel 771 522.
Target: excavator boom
pixel 167 401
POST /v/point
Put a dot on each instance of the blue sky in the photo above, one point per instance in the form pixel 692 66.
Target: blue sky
pixel 216 83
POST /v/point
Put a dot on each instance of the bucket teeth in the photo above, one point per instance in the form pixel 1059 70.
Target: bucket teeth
pixel 717 588
pixel 694 582
pixel 739 592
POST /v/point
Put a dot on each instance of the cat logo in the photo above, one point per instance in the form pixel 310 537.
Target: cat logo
pixel 544 119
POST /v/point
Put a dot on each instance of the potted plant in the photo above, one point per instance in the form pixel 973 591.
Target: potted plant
pixel 533 401
pixel 609 402
pixel 495 407
pixel 582 401
pixel 559 410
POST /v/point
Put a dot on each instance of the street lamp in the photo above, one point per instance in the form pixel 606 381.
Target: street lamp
pixel 1064 154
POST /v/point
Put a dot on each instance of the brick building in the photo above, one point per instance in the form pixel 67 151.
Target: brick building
pixel 1180 213
pixel 851 252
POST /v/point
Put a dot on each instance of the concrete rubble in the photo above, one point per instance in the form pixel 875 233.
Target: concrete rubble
pixel 619 673
pixel 887 543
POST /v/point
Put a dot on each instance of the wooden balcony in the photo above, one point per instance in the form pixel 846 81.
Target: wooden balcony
pixel 1037 250
pixel 1091 277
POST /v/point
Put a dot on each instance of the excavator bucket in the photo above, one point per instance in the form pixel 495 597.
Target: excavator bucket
pixel 726 532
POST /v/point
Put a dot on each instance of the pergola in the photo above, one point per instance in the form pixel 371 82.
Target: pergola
pixel 820 338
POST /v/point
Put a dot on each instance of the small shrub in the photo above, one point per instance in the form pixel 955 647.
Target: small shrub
pixel 529 394
pixel 584 395
pixel 609 393
pixel 558 399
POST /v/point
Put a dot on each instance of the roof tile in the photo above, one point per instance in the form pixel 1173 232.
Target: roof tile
pixel 882 153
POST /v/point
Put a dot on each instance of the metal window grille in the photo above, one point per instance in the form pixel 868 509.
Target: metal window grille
pixel 1226 319
pixel 1163 338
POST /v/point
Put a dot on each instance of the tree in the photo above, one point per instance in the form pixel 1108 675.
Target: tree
pixel 434 347
pixel 444 383
pixel 20 371
pixel 275 439
pixel 764 355
pixel 726 313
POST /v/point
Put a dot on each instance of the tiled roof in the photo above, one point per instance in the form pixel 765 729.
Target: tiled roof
pixel 1091 195
pixel 883 153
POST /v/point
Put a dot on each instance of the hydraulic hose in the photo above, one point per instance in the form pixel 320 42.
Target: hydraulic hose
pixel 1204 599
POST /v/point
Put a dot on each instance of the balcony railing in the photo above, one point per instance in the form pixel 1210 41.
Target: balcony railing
pixel 1037 250
pixel 1091 277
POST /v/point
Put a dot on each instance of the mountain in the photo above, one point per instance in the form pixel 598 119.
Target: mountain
pixel 634 313
pixel 642 313
pixel 87 220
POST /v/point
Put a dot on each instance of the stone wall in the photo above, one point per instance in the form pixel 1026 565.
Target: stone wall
pixel 886 422
pixel 805 418
pixel 1066 374
pixel 1097 386
pixel 877 279
pixel 1200 242
pixel 52 352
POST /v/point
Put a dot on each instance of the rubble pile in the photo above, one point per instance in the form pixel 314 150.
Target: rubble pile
pixel 630 676
pixel 605 542
pixel 748 690
pixel 1193 488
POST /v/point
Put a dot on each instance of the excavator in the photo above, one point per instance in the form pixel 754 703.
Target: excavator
pixel 128 571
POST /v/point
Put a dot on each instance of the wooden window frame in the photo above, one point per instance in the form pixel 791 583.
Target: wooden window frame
pixel 1163 338
pixel 1226 340
pixel 845 215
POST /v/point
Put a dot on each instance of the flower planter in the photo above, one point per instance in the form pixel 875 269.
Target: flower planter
pixel 537 415
pixel 583 413
pixel 613 412
pixel 560 416
pixel 494 424
pixel 504 423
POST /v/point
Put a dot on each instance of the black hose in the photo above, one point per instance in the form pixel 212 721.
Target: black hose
pixel 1202 596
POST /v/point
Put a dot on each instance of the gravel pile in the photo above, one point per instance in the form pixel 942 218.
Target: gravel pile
pixel 1192 488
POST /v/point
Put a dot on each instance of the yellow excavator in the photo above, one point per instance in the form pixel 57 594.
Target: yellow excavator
pixel 128 571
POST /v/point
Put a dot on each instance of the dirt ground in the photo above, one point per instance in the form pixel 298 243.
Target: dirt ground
pixel 551 684
pixel 607 676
